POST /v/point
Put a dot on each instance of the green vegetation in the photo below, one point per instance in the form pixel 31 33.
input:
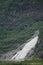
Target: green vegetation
pixel 19 35
pixel 26 62
pixel 6 4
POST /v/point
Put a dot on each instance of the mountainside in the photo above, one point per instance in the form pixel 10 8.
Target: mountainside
pixel 19 19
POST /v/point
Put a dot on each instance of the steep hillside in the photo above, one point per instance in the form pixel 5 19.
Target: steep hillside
pixel 19 19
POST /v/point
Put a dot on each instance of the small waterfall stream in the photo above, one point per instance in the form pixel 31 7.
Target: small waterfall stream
pixel 20 55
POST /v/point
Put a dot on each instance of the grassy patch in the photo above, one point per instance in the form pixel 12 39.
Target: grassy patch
pixel 26 62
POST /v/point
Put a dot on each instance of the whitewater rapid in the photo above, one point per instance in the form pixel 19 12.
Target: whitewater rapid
pixel 20 55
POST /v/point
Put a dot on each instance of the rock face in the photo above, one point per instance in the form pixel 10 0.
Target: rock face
pixel 24 51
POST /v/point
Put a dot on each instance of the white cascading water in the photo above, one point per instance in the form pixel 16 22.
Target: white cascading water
pixel 28 46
